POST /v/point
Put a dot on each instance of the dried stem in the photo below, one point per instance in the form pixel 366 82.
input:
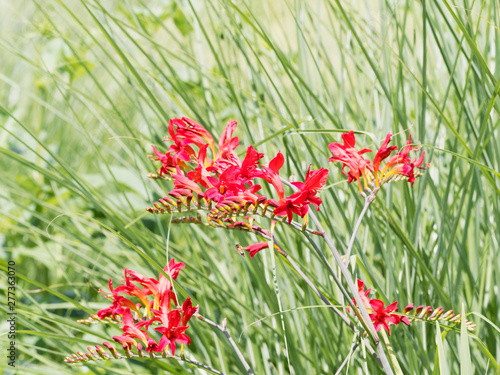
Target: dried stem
pixel 224 330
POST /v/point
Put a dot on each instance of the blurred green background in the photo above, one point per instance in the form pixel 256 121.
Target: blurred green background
pixel 85 89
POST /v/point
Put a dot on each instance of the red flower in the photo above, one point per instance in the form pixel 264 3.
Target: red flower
pixel 295 203
pixel 256 247
pixel 133 290
pixel 132 330
pixel 402 164
pixel 363 294
pixel 173 269
pixel 188 310
pixel 190 132
pixel 298 202
pixel 315 180
pixel 183 182
pixel 271 174
pixel 137 328
pixel 350 157
pixel 171 330
pixel 382 317
pixel 399 164
pixel 117 306
pixel 383 153
pixel 227 144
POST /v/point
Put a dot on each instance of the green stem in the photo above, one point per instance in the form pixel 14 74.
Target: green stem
pixel 392 355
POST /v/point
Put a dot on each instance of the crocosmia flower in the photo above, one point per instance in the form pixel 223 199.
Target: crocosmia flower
pixel 160 310
pixel 399 165
pixel 350 157
pixel 232 182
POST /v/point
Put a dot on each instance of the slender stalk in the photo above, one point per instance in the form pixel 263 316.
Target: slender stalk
pixel 224 330
pixel 392 355
pixel 346 360
pixel 203 366
pixel 297 269
pixel 368 200
pixel 365 320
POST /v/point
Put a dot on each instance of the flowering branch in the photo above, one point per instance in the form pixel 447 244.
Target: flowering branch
pixel 222 212
pixel 99 354
pixel 224 330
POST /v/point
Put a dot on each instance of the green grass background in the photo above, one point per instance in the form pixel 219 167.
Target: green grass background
pixel 86 87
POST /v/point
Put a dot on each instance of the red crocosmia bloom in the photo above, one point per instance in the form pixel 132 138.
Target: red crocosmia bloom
pixel 133 290
pixel 256 247
pixel 363 294
pixel 168 162
pixel 382 317
pixel 402 156
pixel 350 157
pixel 228 184
pixel 298 202
pixel 113 310
pixel 127 341
pixel 277 162
pixel 150 285
pixel 116 307
pixel 200 174
pixel 405 168
pixel 171 330
pixel 183 182
pixel 383 153
pixel 295 203
pixel 173 269
pixel 271 174
pixel 227 144
pixel 250 163
pixel 315 180
pixel 131 330
pixel 160 289
pixel 190 132
pixel 402 164
pixel 188 311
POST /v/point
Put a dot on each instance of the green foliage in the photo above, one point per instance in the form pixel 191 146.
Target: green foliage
pixel 87 86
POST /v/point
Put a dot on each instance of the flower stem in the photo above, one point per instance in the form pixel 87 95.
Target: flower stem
pixel 365 320
pixel 368 200
pixel 346 360
pixel 392 355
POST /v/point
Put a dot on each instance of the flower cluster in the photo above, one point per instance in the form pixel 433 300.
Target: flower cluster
pixel 383 317
pixel 220 176
pixel 156 305
pixel 380 315
pixel 399 164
